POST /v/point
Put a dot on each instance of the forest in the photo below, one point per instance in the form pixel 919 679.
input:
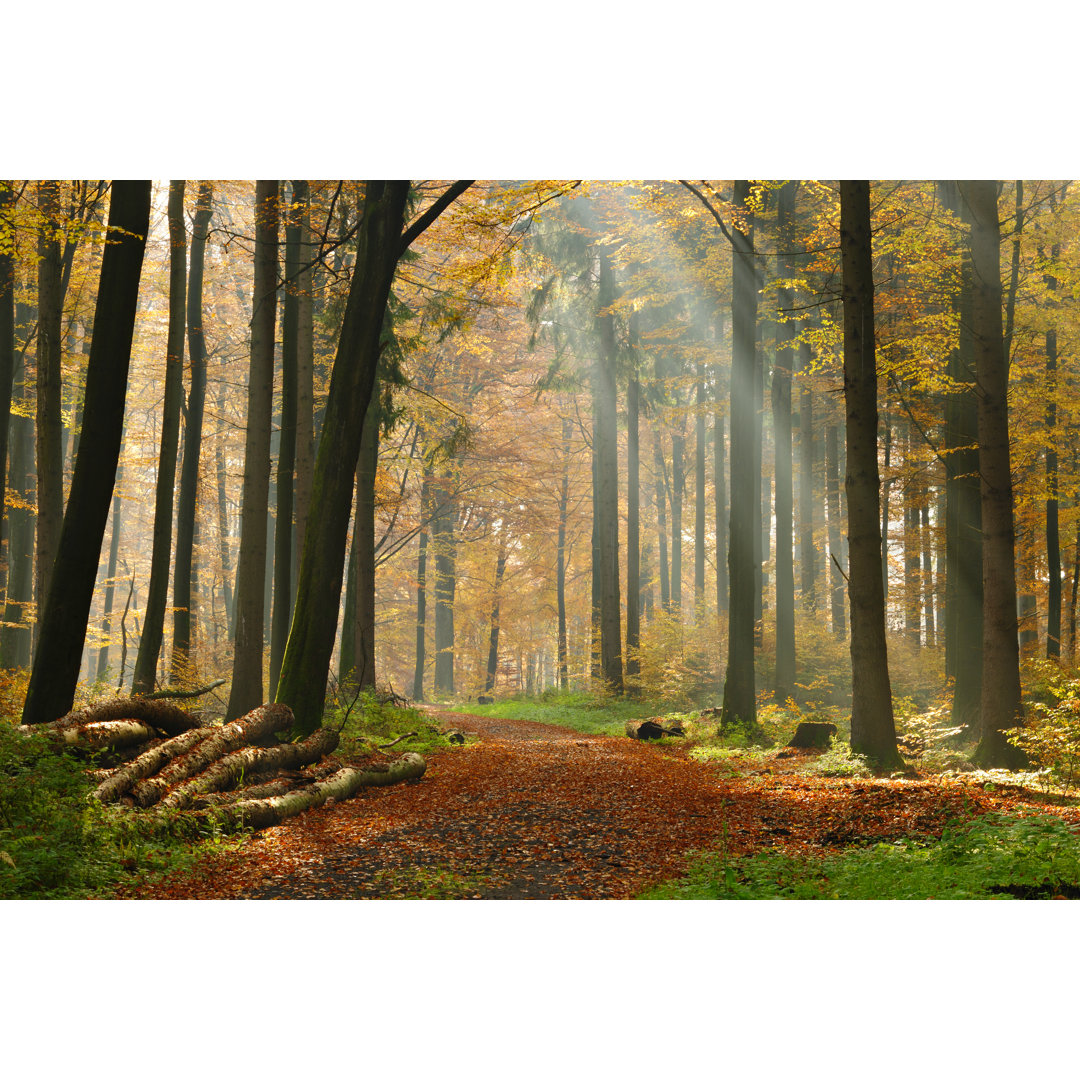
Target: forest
pixel 721 538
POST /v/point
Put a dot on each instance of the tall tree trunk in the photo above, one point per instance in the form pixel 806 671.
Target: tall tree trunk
pixel 444 543
pixel 364 531
pixel 633 522
pixel 720 523
pixel 929 596
pixel 7 351
pixel 963 617
pixel 606 566
pixel 49 421
pixel 143 680
pixel 912 552
pixel 873 730
pixel 740 706
pixel 55 673
pixel 661 519
pixel 678 486
pixel 807 488
pixel 188 495
pixel 1000 703
pixel 305 369
pixel 110 578
pixel 1053 538
pixel 836 544
pixel 223 523
pixel 699 498
pixel 421 586
pixel 286 463
pixel 380 243
pixel 784 676
pixel 15 634
pixel 561 556
pixel 247 675
pixel 493 636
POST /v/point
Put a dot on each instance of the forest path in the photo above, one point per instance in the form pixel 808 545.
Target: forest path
pixel 528 810
pixel 524 811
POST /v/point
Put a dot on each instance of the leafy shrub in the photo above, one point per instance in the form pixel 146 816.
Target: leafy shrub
pixel 678 662
pixel 1051 739
pixel 365 720
pixel 995 856
pixel 840 760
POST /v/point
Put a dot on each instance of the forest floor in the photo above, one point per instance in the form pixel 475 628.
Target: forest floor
pixel 527 810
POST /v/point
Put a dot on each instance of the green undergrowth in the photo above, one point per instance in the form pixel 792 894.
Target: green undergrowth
pixel 430 883
pixel 365 723
pixel 55 843
pixel 592 714
pixel 996 856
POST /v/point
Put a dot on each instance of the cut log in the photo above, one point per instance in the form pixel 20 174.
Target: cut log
pixel 485 699
pixel 260 813
pixel 158 714
pixel 813 735
pixel 266 788
pixel 655 728
pixel 124 779
pixel 110 735
pixel 229 770
pixel 256 725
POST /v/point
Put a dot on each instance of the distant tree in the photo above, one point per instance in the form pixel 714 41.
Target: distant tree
pixel 873 730
pixel 55 673
pixel 157 590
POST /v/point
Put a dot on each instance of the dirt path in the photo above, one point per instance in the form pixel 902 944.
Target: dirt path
pixel 535 811
pixel 527 811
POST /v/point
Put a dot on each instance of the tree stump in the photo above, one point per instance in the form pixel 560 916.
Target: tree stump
pixel 813 735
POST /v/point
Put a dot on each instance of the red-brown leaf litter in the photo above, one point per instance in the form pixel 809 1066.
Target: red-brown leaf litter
pixel 534 811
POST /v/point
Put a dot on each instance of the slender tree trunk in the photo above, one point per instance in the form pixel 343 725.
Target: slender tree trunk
pixel 606 567
pixel 223 522
pixel 421 588
pixel 1000 708
pixel 699 499
pixel 247 676
pixel 1053 538
pixel 187 497
pixel 740 706
pixel 305 369
pixel 55 672
pixel 836 544
pixel 807 487
pixel 157 591
pixel 784 675
pixel 873 730
pixel 928 591
pixel 364 532
pixel 678 485
pixel 7 353
pixel 49 421
pixel 493 636
pixel 561 556
pixel 286 462
pixel 15 634
pixel 720 523
pixel 963 616
pixel 633 528
pixel 912 552
pixel 304 668
pixel 444 543
pixel 661 519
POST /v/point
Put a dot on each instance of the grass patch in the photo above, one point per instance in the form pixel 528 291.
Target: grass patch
pixel 592 714
pixel 996 856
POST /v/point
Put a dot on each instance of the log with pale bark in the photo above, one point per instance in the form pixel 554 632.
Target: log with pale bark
pixel 167 718
pixel 343 784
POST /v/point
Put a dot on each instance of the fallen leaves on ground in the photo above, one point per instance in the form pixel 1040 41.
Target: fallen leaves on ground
pixel 533 811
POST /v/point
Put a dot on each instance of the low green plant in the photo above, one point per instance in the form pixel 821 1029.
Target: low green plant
pixel 591 713
pixel 996 856
pixel 56 843
pixel 364 721
pixel 430 883
pixel 840 760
